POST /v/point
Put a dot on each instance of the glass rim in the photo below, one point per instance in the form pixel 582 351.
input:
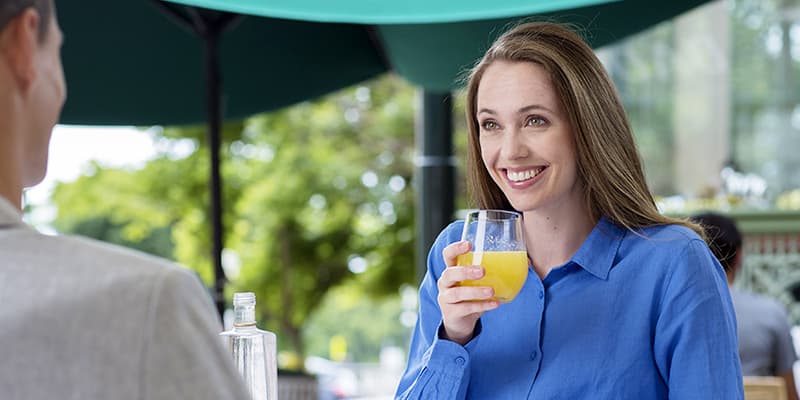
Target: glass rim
pixel 493 214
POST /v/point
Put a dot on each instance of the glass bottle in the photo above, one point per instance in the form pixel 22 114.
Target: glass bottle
pixel 253 350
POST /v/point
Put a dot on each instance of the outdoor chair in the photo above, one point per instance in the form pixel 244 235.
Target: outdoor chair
pixel 764 388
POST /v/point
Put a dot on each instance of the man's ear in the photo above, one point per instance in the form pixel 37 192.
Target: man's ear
pixel 736 263
pixel 20 42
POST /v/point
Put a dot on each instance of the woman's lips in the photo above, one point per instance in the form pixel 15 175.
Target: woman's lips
pixel 523 178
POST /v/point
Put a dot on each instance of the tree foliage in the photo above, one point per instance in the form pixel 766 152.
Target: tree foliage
pixel 315 196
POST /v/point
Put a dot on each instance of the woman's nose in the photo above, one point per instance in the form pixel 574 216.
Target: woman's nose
pixel 513 147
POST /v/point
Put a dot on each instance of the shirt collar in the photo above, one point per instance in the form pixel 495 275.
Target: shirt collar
pixel 10 216
pixel 596 254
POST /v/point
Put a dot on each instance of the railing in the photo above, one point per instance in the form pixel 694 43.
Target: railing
pixel 297 387
pixel 771 262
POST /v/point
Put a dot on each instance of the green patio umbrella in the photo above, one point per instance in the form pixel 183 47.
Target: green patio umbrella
pixel 129 62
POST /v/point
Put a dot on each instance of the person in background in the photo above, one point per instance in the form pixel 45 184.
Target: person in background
pixel 620 302
pixel 765 340
pixel 81 319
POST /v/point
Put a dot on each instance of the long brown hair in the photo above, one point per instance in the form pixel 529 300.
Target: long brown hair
pixel 607 160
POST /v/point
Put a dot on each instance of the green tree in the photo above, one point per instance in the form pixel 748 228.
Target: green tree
pixel 315 196
pixel 331 199
pixel 367 326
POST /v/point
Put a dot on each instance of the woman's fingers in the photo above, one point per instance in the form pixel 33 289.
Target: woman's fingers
pixel 465 294
pixel 451 276
pixel 461 306
pixel 452 251
pixel 459 319
pixel 477 308
pixel 463 316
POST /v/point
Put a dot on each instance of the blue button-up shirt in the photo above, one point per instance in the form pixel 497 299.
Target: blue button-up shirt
pixel 643 315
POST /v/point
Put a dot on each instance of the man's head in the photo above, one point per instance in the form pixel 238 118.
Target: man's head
pixel 32 90
pixel 10 9
pixel 724 239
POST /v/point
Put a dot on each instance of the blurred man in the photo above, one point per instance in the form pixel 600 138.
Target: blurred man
pixel 765 341
pixel 81 319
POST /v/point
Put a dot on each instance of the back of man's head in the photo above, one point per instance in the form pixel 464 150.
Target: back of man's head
pixel 724 237
pixel 10 9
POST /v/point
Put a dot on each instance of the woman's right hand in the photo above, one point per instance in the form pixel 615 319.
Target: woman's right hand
pixel 462 305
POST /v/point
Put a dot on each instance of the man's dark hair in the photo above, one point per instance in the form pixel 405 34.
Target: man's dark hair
pixel 10 9
pixel 723 237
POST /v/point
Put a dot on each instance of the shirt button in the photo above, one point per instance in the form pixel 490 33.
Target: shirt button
pixel 534 354
pixel 460 360
pixel 541 294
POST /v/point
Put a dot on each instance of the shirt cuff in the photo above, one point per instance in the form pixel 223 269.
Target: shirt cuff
pixel 447 357
pixel 440 335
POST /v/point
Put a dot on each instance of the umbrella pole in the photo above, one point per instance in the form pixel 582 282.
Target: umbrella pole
pixel 209 26
pixel 435 170
pixel 214 109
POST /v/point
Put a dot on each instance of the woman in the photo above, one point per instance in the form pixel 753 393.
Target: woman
pixel 620 302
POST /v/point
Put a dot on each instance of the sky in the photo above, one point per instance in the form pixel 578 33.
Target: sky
pixel 74 147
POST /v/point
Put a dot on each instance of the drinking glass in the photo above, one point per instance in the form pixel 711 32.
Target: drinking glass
pixel 499 247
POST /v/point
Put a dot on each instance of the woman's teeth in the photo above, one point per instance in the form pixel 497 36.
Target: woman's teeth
pixel 523 175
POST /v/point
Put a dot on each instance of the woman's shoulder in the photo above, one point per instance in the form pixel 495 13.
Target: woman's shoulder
pixel 450 234
pixel 665 241
pixel 671 233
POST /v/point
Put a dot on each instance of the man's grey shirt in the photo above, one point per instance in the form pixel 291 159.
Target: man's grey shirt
pixel 765 340
pixel 80 319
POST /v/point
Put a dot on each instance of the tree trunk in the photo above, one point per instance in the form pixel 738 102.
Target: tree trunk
pixel 287 301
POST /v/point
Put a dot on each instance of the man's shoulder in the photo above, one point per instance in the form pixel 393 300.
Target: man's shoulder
pixel 89 255
pixel 123 256
pixel 100 296
pixel 757 302
pixel 62 264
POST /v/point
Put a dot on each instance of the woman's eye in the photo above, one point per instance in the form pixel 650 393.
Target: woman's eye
pixel 535 121
pixel 489 125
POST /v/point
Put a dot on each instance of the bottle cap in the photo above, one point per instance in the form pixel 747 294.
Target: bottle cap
pixel 244 299
pixel 244 309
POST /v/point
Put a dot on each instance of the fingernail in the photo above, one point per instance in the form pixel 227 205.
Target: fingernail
pixel 488 292
pixel 477 272
pixel 464 245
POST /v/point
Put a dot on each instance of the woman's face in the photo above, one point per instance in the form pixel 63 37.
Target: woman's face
pixel 525 138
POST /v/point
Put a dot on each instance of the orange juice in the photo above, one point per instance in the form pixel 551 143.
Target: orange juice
pixel 506 272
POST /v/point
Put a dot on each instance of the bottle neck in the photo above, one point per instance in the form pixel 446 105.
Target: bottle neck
pixel 244 316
